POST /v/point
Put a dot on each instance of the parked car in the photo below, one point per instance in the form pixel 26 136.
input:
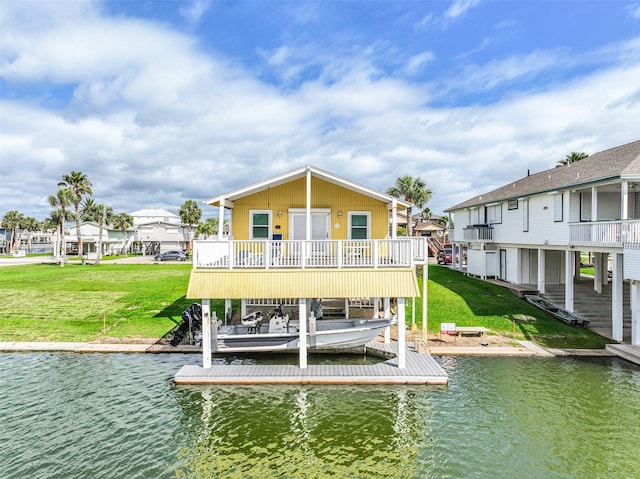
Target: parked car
pixel 445 256
pixel 171 255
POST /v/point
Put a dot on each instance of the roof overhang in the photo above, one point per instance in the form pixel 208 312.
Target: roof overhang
pixel 298 173
pixel 302 283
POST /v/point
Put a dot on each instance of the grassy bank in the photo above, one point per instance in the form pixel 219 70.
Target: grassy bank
pixel 85 303
pixel 128 302
pixel 467 301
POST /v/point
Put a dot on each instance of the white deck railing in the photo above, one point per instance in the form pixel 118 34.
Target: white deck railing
pixel 623 233
pixel 230 254
pixel 477 233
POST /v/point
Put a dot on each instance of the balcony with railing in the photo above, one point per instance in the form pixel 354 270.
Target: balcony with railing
pixel 231 254
pixel 616 234
pixel 478 233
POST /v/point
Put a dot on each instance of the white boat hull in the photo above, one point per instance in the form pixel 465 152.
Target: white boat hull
pixel 329 335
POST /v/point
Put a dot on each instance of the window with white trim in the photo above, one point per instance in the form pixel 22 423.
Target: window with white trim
pixel 259 224
pixel 494 214
pixel 359 225
pixel 557 207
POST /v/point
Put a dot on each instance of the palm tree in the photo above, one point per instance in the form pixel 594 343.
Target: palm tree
pixel 61 200
pixel 101 214
pixel 79 185
pixel 122 221
pixel 572 158
pixel 30 224
pixel 190 214
pixel 11 221
pixel 207 227
pixel 414 191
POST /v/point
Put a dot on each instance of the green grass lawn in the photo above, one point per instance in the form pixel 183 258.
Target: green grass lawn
pixel 74 303
pixel 466 301
pixel 49 303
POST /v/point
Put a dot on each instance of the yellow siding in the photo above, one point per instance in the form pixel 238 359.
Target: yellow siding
pixel 309 283
pixel 323 195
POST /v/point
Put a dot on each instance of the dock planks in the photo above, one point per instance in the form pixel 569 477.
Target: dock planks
pixel 420 369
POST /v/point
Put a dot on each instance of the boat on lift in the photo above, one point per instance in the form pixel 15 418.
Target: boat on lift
pixel 277 332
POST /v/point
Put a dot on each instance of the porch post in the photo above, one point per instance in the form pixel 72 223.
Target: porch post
pixel 594 203
pixel 302 341
pixel 635 313
pixel 605 268
pixel 568 280
pixel 541 270
pixel 624 200
pixel 308 206
pixel 425 315
pixel 616 298
pixel 394 218
pixel 206 333
pixel 402 354
pixel 220 218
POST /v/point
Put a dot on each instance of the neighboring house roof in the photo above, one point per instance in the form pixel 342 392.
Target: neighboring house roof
pixel 429 226
pixel 622 162
pixel 301 173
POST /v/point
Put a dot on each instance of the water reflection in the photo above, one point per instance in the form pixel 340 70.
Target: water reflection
pixel 293 432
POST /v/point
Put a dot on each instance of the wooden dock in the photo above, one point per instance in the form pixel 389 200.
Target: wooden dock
pixel 420 369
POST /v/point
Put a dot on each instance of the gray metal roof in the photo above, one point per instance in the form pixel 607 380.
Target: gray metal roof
pixel 615 163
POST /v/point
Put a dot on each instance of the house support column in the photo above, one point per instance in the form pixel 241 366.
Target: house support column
pixel 605 268
pixel 518 277
pixel 597 277
pixel 541 271
pixel 387 314
pixel 576 265
pixel 302 341
pixel 402 353
pixel 483 255
pixel 616 298
pixel 206 333
pixel 228 313
pixel 635 313
pixel 568 280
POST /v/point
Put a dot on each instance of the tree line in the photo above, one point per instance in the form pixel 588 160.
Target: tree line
pixel 72 202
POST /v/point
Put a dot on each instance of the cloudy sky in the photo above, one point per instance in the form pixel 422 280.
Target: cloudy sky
pixel 159 102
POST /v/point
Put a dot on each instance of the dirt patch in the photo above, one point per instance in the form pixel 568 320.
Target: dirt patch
pixel 493 340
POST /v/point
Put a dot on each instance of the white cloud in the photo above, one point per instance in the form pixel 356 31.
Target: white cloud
pixel 416 62
pixel 195 10
pixel 460 7
pixel 153 121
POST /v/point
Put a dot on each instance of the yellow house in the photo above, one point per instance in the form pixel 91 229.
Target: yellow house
pixel 306 234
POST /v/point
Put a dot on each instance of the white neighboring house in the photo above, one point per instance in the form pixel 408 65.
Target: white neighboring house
pixel 532 230
pixel 159 237
pixel 154 215
pixel 113 241
pixel 159 231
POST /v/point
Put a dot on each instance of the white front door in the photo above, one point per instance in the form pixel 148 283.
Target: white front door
pixel 320 222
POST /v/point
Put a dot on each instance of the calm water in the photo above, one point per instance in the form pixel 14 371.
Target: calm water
pixel 120 416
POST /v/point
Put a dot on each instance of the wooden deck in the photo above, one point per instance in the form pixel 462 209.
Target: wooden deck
pixel 420 369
